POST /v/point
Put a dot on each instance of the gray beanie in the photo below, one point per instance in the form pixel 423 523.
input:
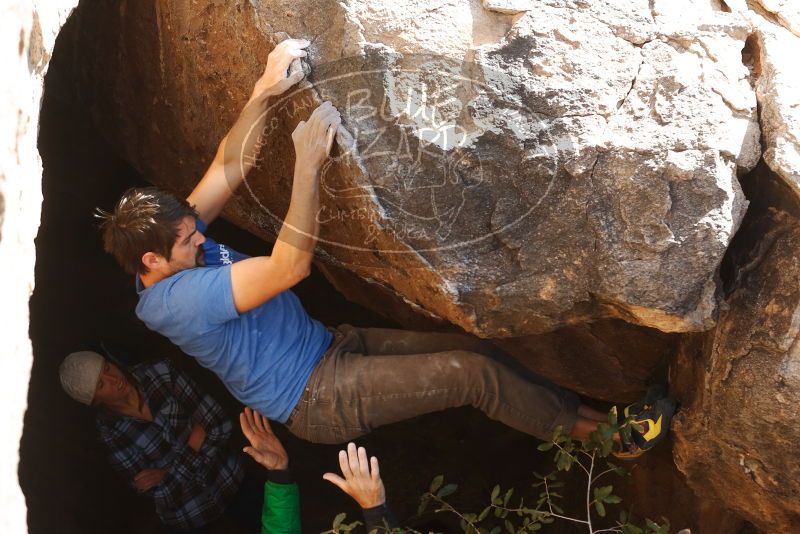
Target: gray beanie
pixel 79 373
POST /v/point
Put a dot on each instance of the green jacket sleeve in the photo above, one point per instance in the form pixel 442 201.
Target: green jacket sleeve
pixel 281 512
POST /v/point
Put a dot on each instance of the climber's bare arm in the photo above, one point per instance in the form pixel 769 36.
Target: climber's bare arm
pixel 229 167
pixel 256 280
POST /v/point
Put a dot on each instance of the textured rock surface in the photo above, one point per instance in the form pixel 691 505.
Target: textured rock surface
pixel 508 7
pixel 774 51
pixel 607 359
pixel 28 31
pixel 525 172
pixel 786 12
pixel 735 439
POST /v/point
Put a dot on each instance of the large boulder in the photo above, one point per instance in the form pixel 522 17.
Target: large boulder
pixel 508 173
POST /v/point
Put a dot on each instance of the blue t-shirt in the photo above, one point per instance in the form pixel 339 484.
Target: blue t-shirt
pixel 264 356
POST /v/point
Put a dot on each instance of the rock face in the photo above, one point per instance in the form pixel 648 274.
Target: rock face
pixel 785 12
pixel 735 439
pixel 510 174
pixel 608 359
pixel 741 385
pixel 775 52
pixel 28 31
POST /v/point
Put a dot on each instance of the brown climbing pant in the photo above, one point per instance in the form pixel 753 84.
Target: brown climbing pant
pixel 371 377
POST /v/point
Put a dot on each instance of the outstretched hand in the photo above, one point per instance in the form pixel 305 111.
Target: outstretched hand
pixel 275 80
pixel 362 478
pixel 265 448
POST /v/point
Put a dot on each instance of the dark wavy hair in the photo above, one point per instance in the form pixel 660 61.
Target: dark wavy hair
pixel 144 220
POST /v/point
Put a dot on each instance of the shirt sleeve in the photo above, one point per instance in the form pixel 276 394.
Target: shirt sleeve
pixel 203 295
pixel 123 453
pixel 205 411
pixel 379 519
pixel 127 459
pixel 281 512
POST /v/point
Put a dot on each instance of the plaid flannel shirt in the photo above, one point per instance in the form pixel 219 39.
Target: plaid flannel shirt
pixel 198 485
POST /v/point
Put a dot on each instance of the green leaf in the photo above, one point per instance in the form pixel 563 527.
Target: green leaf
pixel 562 461
pixel 557 432
pixel 436 483
pixel 601 510
pixel 495 493
pixel 509 527
pixel 603 492
pixel 507 496
pixel 423 504
pixel 617 469
pixel 544 447
pixel 495 530
pixel 652 525
pixel 612 499
pixel 338 521
pixel 625 434
pixel 484 513
pixel 447 490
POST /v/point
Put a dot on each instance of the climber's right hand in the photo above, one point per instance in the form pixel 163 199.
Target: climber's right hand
pixel 275 80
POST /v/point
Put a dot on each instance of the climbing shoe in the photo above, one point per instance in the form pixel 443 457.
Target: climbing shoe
pixel 654 392
pixel 653 417
pixel 654 422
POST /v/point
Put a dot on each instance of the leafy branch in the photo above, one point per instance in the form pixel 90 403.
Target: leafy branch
pixel 590 456
pixel 504 514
